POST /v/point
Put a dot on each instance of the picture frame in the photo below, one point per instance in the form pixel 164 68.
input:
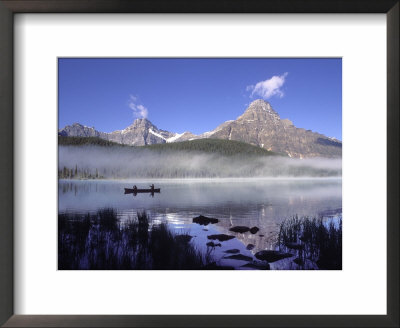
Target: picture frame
pixel 7 10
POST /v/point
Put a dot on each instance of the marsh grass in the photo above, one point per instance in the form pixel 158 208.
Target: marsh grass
pixel 317 240
pixel 101 242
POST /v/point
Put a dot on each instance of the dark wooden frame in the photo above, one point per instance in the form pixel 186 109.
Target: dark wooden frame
pixel 7 10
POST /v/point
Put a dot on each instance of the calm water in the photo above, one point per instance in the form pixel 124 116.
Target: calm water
pixel 263 203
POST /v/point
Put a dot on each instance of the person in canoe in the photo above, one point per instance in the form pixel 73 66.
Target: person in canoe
pixel 134 188
pixel 152 187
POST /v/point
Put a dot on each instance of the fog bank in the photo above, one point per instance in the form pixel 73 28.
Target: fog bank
pixel 126 162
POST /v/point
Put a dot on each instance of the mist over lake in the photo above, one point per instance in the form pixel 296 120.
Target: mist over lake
pixel 129 162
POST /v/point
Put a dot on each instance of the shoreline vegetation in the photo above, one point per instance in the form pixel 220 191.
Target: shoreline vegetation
pixel 100 241
pixel 312 240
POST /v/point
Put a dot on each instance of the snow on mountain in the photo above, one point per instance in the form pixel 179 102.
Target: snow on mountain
pixel 156 134
pixel 259 125
pixel 175 137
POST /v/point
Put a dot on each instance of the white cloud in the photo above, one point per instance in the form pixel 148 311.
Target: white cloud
pixel 268 88
pixel 139 110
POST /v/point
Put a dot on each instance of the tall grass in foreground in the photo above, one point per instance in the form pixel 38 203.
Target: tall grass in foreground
pixel 313 239
pixel 101 242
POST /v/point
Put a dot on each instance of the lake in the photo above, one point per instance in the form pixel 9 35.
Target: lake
pixel 261 203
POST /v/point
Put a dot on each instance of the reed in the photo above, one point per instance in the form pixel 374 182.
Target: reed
pixel 313 239
pixel 101 242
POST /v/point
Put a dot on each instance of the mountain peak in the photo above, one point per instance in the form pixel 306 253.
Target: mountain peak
pixel 78 130
pixel 141 120
pixel 260 103
pixel 260 110
pixel 139 124
pixel 144 122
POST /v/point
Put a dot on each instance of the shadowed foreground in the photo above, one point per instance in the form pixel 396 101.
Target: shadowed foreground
pixel 100 242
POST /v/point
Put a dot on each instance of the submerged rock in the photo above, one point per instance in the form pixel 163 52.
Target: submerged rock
pixel 212 244
pixel 271 256
pixel 204 220
pixel 232 251
pixel 240 229
pixel 250 247
pixel 257 266
pixel 220 237
pixel 254 230
pixel 240 257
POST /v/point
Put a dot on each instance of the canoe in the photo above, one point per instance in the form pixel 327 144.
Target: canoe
pixel 131 191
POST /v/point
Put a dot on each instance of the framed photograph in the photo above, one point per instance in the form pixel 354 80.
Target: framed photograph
pixel 161 162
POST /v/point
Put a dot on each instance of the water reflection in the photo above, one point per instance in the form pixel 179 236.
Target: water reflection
pixel 246 202
pixel 233 200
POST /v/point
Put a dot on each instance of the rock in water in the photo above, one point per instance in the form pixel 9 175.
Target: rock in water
pixel 220 237
pixel 250 247
pixel 257 266
pixel 204 220
pixel 254 230
pixel 271 256
pixel 240 229
pixel 212 244
pixel 239 257
pixel 232 251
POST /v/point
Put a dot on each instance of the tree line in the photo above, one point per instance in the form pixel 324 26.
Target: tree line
pixel 78 173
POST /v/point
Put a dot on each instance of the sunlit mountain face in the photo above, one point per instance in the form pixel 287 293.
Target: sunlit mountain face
pixel 259 125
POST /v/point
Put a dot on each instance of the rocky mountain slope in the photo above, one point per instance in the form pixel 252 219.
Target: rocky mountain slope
pixel 141 132
pixel 259 125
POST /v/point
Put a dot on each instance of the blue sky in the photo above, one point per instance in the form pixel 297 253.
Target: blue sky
pixel 197 95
